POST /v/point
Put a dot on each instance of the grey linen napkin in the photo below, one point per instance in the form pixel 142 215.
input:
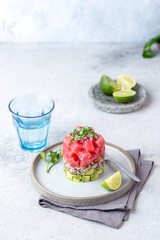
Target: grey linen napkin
pixel 112 213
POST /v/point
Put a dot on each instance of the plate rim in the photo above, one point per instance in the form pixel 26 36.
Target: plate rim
pixel 81 201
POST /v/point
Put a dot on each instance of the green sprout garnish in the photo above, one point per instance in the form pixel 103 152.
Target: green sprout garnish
pixel 52 158
pixel 147 53
pixel 83 132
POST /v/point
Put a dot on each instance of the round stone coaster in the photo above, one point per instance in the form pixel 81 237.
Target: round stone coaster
pixel 108 103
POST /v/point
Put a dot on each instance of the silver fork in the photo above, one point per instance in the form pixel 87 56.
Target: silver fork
pixel 123 169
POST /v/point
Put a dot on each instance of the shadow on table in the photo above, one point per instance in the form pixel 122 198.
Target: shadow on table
pixel 148 101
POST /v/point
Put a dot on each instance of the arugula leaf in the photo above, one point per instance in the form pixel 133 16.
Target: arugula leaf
pixel 52 158
pixel 43 156
pixel 147 53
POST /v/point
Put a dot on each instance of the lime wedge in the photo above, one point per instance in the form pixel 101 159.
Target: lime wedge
pixel 125 82
pixel 112 183
pixel 124 96
pixel 107 85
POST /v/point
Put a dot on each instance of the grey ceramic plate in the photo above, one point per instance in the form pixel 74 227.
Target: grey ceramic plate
pixel 56 187
pixel 108 103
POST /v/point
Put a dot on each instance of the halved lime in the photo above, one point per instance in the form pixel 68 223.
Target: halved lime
pixel 125 82
pixel 113 183
pixel 124 96
pixel 107 85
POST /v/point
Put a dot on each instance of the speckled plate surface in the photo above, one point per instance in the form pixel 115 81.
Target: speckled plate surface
pixel 108 103
pixel 56 187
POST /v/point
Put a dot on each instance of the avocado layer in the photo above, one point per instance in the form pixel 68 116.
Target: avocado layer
pixel 85 178
pixel 89 176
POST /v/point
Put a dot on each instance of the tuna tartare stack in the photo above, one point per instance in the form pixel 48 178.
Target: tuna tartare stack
pixel 83 154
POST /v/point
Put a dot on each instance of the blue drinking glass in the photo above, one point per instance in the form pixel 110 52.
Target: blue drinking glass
pixel 31 117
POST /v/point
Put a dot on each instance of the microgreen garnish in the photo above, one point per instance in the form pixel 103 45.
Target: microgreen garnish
pixel 52 158
pixel 82 133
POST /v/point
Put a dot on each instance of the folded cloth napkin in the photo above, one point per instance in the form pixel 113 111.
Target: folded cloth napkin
pixel 114 212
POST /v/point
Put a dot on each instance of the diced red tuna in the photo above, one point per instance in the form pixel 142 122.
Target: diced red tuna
pixel 85 163
pixel 84 155
pixel 102 151
pixel 68 153
pixel 99 141
pixel 78 127
pixel 93 155
pixel 76 147
pixel 65 146
pixel 73 161
pixel 96 150
pixel 97 159
pixel 67 140
pixel 88 145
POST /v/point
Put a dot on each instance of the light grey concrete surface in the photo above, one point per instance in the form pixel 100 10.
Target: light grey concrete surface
pixel 79 20
pixel 65 73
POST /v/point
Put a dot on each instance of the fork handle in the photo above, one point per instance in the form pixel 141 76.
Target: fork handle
pixel 125 170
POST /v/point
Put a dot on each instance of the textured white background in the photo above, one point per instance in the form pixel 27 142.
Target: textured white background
pixel 79 20
pixel 65 72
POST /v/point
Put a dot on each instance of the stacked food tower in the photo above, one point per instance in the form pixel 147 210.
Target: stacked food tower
pixel 83 154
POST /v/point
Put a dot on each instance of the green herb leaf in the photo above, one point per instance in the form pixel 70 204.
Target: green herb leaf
pixel 52 158
pixel 147 53
pixel 83 132
pixel 43 156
